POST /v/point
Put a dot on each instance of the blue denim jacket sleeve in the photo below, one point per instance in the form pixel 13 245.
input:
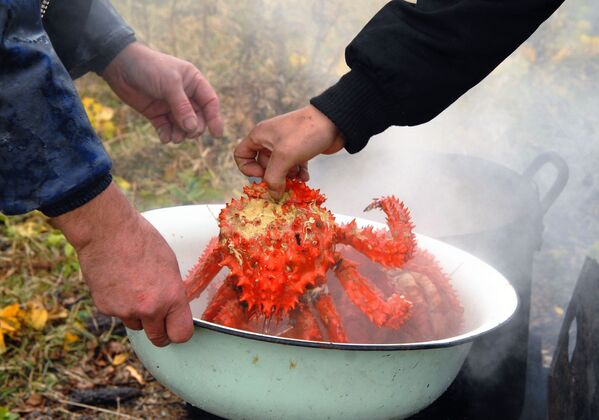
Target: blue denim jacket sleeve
pixel 50 156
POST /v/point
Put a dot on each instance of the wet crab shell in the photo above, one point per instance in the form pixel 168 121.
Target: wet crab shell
pixel 277 250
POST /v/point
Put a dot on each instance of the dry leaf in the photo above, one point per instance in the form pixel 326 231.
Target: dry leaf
pixel 35 400
pixel 136 375
pixel 558 310
pixel 119 359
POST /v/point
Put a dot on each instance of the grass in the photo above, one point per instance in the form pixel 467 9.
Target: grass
pixel 43 365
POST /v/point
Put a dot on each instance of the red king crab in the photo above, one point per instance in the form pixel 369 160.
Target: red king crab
pixel 279 254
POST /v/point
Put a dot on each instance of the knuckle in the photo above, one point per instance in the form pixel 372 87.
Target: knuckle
pixel 183 107
pixel 172 77
pixel 159 340
pixel 283 153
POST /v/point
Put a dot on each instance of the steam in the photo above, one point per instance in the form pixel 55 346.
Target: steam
pixel 542 98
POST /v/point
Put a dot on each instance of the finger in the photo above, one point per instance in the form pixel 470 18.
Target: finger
pixel 163 127
pixel 263 158
pixel 281 161
pixel 206 98
pixel 181 108
pixel 179 323
pixel 201 126
pixel 304 175
pixel 164 133
pixel 132 324
pixel 294 172
pixel 156 331
pixel 177 135
pixel 245 157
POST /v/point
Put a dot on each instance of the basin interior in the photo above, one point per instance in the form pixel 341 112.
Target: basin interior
pixel 488 299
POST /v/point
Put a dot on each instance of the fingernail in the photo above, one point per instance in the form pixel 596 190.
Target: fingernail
pixel 190 124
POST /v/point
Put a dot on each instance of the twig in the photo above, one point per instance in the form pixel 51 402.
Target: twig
pixel 90 407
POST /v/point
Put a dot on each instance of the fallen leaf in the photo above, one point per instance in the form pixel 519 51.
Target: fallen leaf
pixel 558 310
pixel 119 359
pixel 10 311
pixel 69 337
pixel 136 375
pixel 58 313
pixel 37 315
pixel 35 400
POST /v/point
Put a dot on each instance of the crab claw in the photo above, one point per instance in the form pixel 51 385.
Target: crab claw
pixel 391 248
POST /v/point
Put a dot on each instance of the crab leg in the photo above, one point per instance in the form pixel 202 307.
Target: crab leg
pixel 225 293
pixel 390 248
pixel 225 308
pixel 424 263
pixel 330 318
pixel 391 313
pixel 305 326
pixel 204 271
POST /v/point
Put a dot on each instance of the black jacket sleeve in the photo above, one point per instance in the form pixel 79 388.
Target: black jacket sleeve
pixel 86 34
pixel 410 62
pixel 50 157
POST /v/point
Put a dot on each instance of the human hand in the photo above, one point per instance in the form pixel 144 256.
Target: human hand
pixel 171 93
pixel 283 145
pixel 131 271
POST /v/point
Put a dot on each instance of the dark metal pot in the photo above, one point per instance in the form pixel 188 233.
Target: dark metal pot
pixel 484 208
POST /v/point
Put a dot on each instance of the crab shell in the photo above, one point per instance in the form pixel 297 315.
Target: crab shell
pixel 277 250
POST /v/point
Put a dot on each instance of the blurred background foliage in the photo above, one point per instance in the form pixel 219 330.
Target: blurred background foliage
pixel 263 58
pixel 266 57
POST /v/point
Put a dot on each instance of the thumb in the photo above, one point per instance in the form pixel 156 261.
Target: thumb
pixel 179 323
pixel 181 109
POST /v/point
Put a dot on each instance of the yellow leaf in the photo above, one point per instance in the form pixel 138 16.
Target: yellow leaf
pixel 37 315
pixel 119 359
pixel 105 114
pixel 58 313
pixel 122 183
pixel 87 101
pixel 558 310
pixel 9 325
pixel 136 375
pixel 69 337
pixel 10 311
pixel 9 319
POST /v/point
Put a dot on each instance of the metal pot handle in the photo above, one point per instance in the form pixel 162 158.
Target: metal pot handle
pixel 561 178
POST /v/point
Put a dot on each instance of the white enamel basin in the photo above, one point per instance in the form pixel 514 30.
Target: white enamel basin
pixel 240 375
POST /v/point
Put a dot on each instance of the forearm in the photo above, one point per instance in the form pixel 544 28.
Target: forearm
pixel 411 62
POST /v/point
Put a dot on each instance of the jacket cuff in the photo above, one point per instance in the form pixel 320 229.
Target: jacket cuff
pixel 110 51
pixel 77 198
pixel 356 107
